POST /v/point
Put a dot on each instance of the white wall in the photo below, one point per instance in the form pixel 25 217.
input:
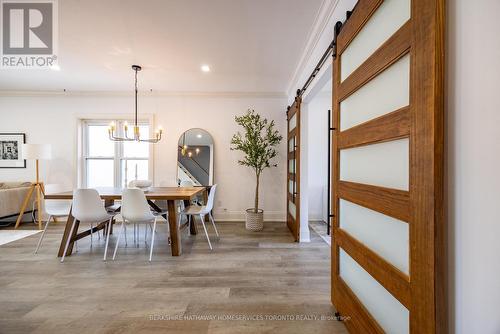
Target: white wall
pixel 304 235
pixel 53 119
pixel 318 158
pixel 473 125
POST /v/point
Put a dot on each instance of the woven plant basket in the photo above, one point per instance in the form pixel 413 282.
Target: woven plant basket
pixel 254 221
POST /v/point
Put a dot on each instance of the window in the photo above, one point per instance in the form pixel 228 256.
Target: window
pixel 113 164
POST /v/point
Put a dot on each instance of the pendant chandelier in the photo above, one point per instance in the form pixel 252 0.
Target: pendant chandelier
pixel 184 148
pixel 137 135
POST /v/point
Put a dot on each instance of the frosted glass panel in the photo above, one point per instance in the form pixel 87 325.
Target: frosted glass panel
pixel 292 123
pixel 388 18
pixel 291 144
pixel 386 236
pixel 385 164
pixel 291 185
pixel 387 92
pixel 291 208
pixel 291 166
pixel 391 315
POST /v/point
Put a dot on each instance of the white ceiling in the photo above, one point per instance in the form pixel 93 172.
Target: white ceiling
pixel 250 45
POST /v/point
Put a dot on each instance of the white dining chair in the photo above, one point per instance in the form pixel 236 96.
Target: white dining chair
pixel 53 209
pixel 195 201
pixel 161 204
pixel 202 211
pixel 135 210
pixel 89 208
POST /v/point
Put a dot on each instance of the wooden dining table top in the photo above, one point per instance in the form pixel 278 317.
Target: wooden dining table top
pixel 156 193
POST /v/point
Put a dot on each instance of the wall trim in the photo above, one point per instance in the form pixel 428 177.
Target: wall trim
pixel 321 21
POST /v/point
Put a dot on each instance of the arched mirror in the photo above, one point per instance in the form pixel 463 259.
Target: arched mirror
pixel 195 158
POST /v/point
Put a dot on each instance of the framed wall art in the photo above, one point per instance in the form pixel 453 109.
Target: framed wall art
pixel 11 146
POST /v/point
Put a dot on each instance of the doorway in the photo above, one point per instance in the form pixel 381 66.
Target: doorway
pixel 317 105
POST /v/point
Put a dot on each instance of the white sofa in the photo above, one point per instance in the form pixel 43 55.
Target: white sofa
pixel 12 195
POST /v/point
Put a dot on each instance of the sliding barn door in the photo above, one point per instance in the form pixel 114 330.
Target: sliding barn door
pixel 293 173
pixel 388 251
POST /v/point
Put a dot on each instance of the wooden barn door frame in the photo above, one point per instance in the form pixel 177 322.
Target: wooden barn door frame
pixel 294 197
pixel 423 292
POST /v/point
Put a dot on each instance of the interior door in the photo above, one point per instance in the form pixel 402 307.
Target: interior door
pixel 389 234
pixel 293 166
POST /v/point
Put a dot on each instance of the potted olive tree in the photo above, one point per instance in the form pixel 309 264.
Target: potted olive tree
pixel 258 142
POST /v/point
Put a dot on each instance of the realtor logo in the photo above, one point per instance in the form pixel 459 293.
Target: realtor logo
pixel 28 33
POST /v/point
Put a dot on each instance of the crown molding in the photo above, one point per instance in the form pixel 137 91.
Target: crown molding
pixel 321 21
pixel 50 93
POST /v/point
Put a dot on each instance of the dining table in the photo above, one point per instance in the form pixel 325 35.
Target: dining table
pixel 170 195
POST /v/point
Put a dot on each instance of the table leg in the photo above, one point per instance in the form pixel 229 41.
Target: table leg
pixel 67 230
pixel 205 196
pixel 193 230
pixel 205 201
pixel 175 233
pixel 73 238
pixel 107 203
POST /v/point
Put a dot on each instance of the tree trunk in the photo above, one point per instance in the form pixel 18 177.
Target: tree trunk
pixel 256 204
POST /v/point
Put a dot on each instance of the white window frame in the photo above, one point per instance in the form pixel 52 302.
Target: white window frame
pixel 118 156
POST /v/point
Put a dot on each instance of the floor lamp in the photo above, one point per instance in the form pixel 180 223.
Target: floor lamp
pixel 35 152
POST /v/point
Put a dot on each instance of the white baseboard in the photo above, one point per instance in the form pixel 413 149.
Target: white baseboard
pixel 270 216
pixel 316 217
pixel 321 220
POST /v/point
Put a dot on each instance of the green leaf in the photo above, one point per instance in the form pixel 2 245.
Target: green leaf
pixel 258 141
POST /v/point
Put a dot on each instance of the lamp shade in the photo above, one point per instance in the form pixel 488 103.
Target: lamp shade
pixel 37 151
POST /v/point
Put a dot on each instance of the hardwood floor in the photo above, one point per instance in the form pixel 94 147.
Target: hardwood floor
pixel 250 283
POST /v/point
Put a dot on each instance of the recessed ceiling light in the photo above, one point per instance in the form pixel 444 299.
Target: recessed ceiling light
pixel 199 135
pixel 55 68
pixel 205 68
